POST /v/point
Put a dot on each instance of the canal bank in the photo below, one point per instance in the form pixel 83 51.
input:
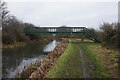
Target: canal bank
pixel 41 67
pixel 65 62
pixel 16 58
pixel 69 63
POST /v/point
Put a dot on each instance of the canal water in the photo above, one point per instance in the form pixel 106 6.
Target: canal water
pixel 15 59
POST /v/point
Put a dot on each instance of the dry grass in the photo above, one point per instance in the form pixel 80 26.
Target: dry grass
pixel 107 57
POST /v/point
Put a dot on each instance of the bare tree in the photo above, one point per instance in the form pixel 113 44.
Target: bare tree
pixel 0 14
pixel 4 12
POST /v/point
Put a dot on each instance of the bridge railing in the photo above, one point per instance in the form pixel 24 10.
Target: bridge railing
pixel 39 30
pixel 91 35
pixel 62 30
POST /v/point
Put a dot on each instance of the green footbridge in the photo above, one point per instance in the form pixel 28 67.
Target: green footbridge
pixel 62 30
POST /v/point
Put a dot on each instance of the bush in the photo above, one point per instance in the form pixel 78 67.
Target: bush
pixel 110 35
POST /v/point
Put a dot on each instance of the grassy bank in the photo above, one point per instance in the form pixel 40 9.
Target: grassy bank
pixel 102 59
pixel 68 65
pixel 91 58
pixel 16 44
pixel 22 44
pixel 100 62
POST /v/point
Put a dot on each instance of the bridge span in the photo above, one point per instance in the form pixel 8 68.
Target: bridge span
pixel 62 30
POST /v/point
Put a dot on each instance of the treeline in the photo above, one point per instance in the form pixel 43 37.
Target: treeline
pixel 12 31
pixel 110 35
pixel 12 28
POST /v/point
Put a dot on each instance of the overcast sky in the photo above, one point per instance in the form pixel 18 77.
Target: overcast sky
pixel 72 13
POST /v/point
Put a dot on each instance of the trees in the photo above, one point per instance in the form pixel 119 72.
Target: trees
pixel 13 31
pixel 110 35
pixel 12 28
pixel 4 12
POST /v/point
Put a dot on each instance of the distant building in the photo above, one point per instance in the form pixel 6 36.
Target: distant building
pixel 119 11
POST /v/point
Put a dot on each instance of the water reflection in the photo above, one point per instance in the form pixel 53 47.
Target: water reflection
pixel 15 59
pixel 25 62
pixel 50 46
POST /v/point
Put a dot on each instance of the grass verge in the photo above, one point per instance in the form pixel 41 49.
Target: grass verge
pixel 102 59
pixel 68 65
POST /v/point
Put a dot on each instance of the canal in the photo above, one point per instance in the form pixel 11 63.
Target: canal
pixel 15 59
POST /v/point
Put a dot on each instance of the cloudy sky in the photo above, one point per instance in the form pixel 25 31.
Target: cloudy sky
pixel 72 13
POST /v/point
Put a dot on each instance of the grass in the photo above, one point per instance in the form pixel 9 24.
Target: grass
pixel 68 65
pixel 107 59
pixel 23 44
pixel 103 59
pixel 16 44
pixel 90 54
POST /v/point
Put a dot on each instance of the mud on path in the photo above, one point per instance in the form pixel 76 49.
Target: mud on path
pixel 84 70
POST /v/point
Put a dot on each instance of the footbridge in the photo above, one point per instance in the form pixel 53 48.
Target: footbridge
pixel 62 30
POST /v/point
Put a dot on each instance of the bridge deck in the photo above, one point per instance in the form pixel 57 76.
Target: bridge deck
pixel 54 30
pixel 62 30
